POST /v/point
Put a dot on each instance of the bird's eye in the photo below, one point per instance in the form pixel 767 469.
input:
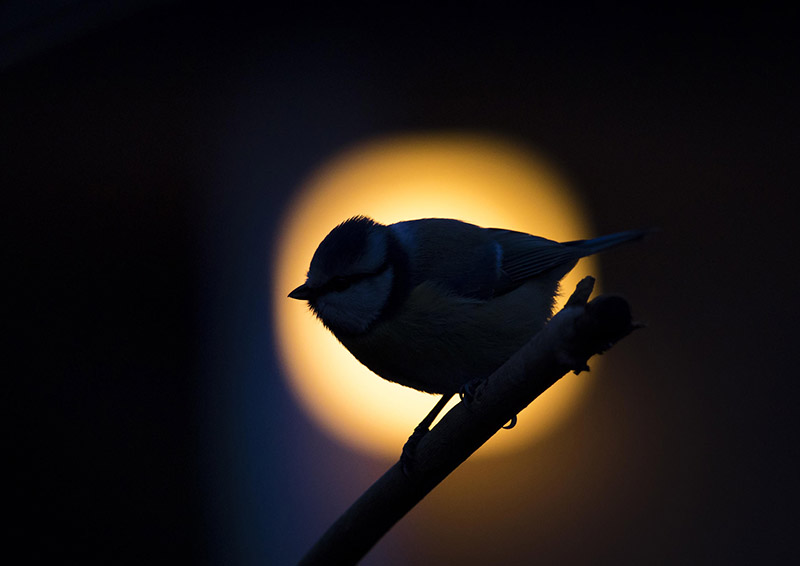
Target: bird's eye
pixel 340 283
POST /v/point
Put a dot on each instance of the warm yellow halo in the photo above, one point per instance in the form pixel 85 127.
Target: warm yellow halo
pixel 483 180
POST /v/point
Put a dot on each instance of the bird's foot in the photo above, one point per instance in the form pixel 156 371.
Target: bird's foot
pixel 512 423
pixel 408 456
pixel 471 391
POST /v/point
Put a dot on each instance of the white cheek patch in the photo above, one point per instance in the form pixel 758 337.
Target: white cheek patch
pixel 355 308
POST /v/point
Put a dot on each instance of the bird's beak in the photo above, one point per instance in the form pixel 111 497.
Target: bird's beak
pixel 302 293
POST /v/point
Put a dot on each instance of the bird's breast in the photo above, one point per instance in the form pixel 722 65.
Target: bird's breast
pixel 438 341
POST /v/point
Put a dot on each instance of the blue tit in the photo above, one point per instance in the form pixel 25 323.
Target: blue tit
pixel 436 303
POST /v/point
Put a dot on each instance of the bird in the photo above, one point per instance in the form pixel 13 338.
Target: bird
pixel 436 304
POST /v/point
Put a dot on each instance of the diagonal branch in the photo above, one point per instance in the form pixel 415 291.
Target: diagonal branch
pixel 580 330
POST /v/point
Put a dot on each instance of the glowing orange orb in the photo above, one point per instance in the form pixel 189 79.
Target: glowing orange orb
pixel 485 181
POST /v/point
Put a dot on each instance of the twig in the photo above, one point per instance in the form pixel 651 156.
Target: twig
pixel 572 336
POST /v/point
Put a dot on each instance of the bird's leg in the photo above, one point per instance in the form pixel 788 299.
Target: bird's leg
pixel 409 448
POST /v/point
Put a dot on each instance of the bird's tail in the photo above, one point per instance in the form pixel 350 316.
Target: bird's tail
pixel 589 247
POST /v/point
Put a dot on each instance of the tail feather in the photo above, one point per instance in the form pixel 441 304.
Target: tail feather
pixel 589 247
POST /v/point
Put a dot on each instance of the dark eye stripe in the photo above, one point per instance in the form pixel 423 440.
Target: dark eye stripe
pixel 342 282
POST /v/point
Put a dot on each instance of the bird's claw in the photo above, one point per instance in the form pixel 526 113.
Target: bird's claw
pixel 470 391
pixel 511 424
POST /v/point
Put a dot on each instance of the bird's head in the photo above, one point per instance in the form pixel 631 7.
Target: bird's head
pixel 350 277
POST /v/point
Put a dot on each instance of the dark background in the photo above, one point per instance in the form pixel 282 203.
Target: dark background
pixel 147 152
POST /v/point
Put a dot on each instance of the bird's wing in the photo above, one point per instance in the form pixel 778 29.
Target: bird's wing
pixel 455 255
pixel 525 256
pixel 477 262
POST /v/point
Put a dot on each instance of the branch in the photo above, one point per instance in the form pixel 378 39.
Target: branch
pixel 565 344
